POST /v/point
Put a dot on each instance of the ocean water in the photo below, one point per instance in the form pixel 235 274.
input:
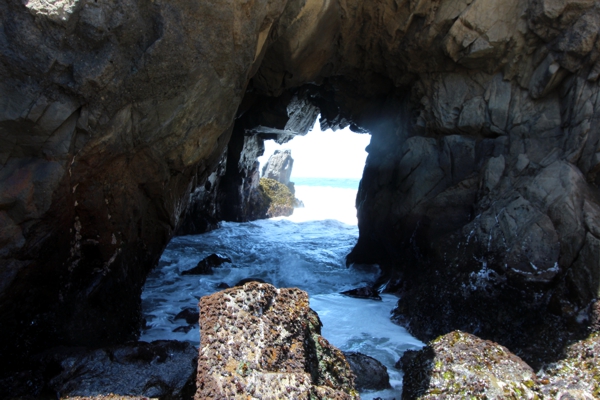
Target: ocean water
pixel 306 250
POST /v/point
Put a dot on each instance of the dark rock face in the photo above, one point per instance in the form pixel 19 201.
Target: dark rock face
pixel 190 315
pixel 206 265
pixel 265 342
pixel 461 365
pixel 118 120
pixel 162 369
pixel 365 292
pixel 108 112
pixel 279 167
pixel 370 373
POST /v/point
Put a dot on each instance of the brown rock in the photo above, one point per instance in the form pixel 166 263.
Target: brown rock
pixel 264 342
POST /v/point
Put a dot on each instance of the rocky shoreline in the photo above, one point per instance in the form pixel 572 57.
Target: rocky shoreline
pixel 125 123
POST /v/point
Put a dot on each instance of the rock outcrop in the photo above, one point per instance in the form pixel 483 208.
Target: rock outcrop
pixel 119 120
pixel 206 265
pixel 460 365
pixel 278 199
pixel 264 342
pixel 279 166
pixel 162 369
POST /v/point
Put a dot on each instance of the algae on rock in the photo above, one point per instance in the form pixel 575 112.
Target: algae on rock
pixel 278 198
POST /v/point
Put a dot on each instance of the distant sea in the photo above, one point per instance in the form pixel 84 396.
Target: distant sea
pixel 338 183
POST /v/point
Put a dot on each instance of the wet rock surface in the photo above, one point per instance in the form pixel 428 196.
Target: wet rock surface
pixel 265 342
pixel 162 369
pixel 577 374
pixel 370 373
pixel 365 292
pixel 206 265
pixel 461 365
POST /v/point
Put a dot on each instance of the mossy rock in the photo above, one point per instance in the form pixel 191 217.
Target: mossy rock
pixel 278 196
pixel 459 365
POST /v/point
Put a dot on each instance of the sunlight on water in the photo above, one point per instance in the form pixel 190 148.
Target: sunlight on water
pixel 306 250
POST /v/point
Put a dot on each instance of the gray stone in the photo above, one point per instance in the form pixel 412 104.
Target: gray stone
pixel 279 166
pixel 370 373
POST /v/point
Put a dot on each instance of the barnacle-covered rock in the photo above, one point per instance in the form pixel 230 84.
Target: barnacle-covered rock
pixel 460 365
pixel 578 373
pixel 263 342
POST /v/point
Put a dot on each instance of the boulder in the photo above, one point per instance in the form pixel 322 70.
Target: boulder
pixel 264 342
pixel 206 265
pixel 242 282
pixel 577 374
pixel 278 199
pixel 279 166
pixel 461 365
pixel 161 369
pixel 190 315
pixel 370 373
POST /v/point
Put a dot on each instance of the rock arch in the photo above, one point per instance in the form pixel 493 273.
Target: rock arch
pixel 484 118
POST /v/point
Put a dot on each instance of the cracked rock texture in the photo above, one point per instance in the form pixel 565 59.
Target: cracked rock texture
pixel 123 122
pixel 263 342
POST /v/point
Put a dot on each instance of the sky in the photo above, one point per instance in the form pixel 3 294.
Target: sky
pixel 324 154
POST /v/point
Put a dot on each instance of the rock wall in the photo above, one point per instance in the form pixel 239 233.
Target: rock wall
pixel 109 110
pixel 488 200
pixel 481 177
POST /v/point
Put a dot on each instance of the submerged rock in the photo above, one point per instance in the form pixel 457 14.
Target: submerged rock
pixel 164 368
pixel 365 292
pixel 190 315
pixel 265 342
pixel 370 373
pixel 206 265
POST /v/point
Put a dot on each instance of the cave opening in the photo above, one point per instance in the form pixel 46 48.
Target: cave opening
pixel 123 124
pixel 305 250
pixel 323 168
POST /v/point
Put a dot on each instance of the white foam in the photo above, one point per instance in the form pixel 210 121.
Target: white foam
pixel 306 250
